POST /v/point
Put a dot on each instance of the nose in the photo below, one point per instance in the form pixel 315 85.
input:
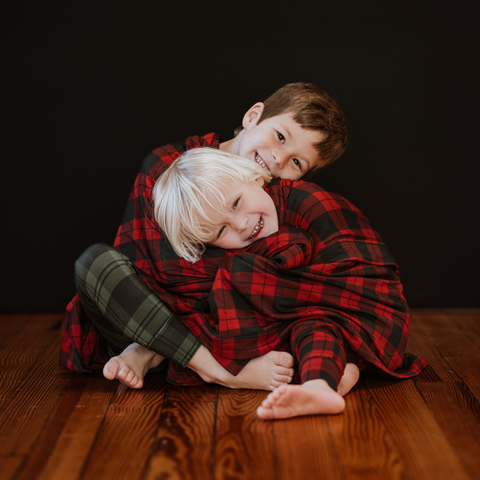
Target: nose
pixel 279 159
pixel 239 223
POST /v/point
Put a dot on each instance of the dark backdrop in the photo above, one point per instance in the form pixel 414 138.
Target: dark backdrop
pixel 91 89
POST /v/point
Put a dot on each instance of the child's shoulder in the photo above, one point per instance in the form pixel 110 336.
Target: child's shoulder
pixel 161 158
pixel 299 193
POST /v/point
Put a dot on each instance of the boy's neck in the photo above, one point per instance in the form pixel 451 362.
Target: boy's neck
pixel 230 146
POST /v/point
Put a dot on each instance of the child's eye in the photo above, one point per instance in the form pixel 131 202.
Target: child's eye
pixel 297 163
pixel 236 203
pixel 221 231
pixel 281 137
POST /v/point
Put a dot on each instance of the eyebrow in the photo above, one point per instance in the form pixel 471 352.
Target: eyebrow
pixel 286 129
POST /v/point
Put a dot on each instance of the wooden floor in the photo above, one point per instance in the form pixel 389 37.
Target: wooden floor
pixel 56 425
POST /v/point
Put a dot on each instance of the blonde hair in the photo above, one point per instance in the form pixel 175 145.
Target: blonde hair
pixel 199 174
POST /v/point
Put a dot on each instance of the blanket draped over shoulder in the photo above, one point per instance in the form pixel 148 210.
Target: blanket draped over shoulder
pixel 325 263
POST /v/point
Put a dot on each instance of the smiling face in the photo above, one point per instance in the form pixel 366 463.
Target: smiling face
pixel 249 215
pixel 278 143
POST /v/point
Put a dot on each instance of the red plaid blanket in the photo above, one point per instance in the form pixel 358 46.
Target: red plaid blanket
pixel 326 263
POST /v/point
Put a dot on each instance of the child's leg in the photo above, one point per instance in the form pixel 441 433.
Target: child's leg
pixel 125 311
pixel 322 359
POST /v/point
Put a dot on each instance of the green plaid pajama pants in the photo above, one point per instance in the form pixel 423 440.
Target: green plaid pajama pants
pixel 124 310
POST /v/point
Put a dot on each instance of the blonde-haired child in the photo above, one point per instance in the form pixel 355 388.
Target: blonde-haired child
pixel 197 188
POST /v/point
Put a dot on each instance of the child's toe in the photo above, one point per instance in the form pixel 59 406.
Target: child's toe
pixel 280 379
pixel 265 413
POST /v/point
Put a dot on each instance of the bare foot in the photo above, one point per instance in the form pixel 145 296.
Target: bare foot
pixel 131 366
pixel 262 373
pixel 265 373
pixel 311 398
pixel 350 377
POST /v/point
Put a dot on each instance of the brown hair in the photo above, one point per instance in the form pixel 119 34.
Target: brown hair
pixel 313 109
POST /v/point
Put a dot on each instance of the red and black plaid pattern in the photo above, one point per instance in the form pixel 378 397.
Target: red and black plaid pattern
pixel 326 266
pixel 319 348
pixel 139 239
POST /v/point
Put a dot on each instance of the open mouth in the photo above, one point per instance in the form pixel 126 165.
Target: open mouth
pixel 257 228
pixel 260 161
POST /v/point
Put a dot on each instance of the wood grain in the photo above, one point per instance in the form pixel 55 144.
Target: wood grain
pixel 458 414
pixel 11 325
pixel 415 433
pixel 26 346
pixel 469 324
pixel 65 442
pixel 457 347
pixel 244 444
pixel 438 368
pixel 127 436
pixel 56 425
pixel 445 335
pixel 364 446
pixel 308 440
pixel 9 465
pixel 24 416
pixel 184 449
pixel 468 368
pixel 203 393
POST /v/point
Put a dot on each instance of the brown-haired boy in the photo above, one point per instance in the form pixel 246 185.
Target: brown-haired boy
pixel 298 130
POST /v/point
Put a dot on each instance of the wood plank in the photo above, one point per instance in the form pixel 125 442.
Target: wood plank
pixel 10 465
pixel 414 430
pixel 459 351
pixel 305 449
pixel 184 449
pixel 364 446
pixel 51 424
pixel 126 438
pixel 244 444
pixel 438 368
pixel 446 336
pixel 468 368
pixel 469 324
pixel 203 393
pixel 457 412
pixel 22 329
pixel 23 350
pixel 446 311
pixel 24 416
pixel 10 325
pixel 65 442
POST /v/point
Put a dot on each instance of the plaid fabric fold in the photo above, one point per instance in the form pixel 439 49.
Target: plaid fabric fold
pixel 326 265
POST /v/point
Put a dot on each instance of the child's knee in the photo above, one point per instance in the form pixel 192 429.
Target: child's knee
pixel 86 259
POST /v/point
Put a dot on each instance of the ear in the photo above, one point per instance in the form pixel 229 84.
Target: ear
pixel 260 181
pixel 253 115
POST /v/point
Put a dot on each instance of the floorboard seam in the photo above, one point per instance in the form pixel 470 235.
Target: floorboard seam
pixel 214 438
pixel 155 437
pixel 92 446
